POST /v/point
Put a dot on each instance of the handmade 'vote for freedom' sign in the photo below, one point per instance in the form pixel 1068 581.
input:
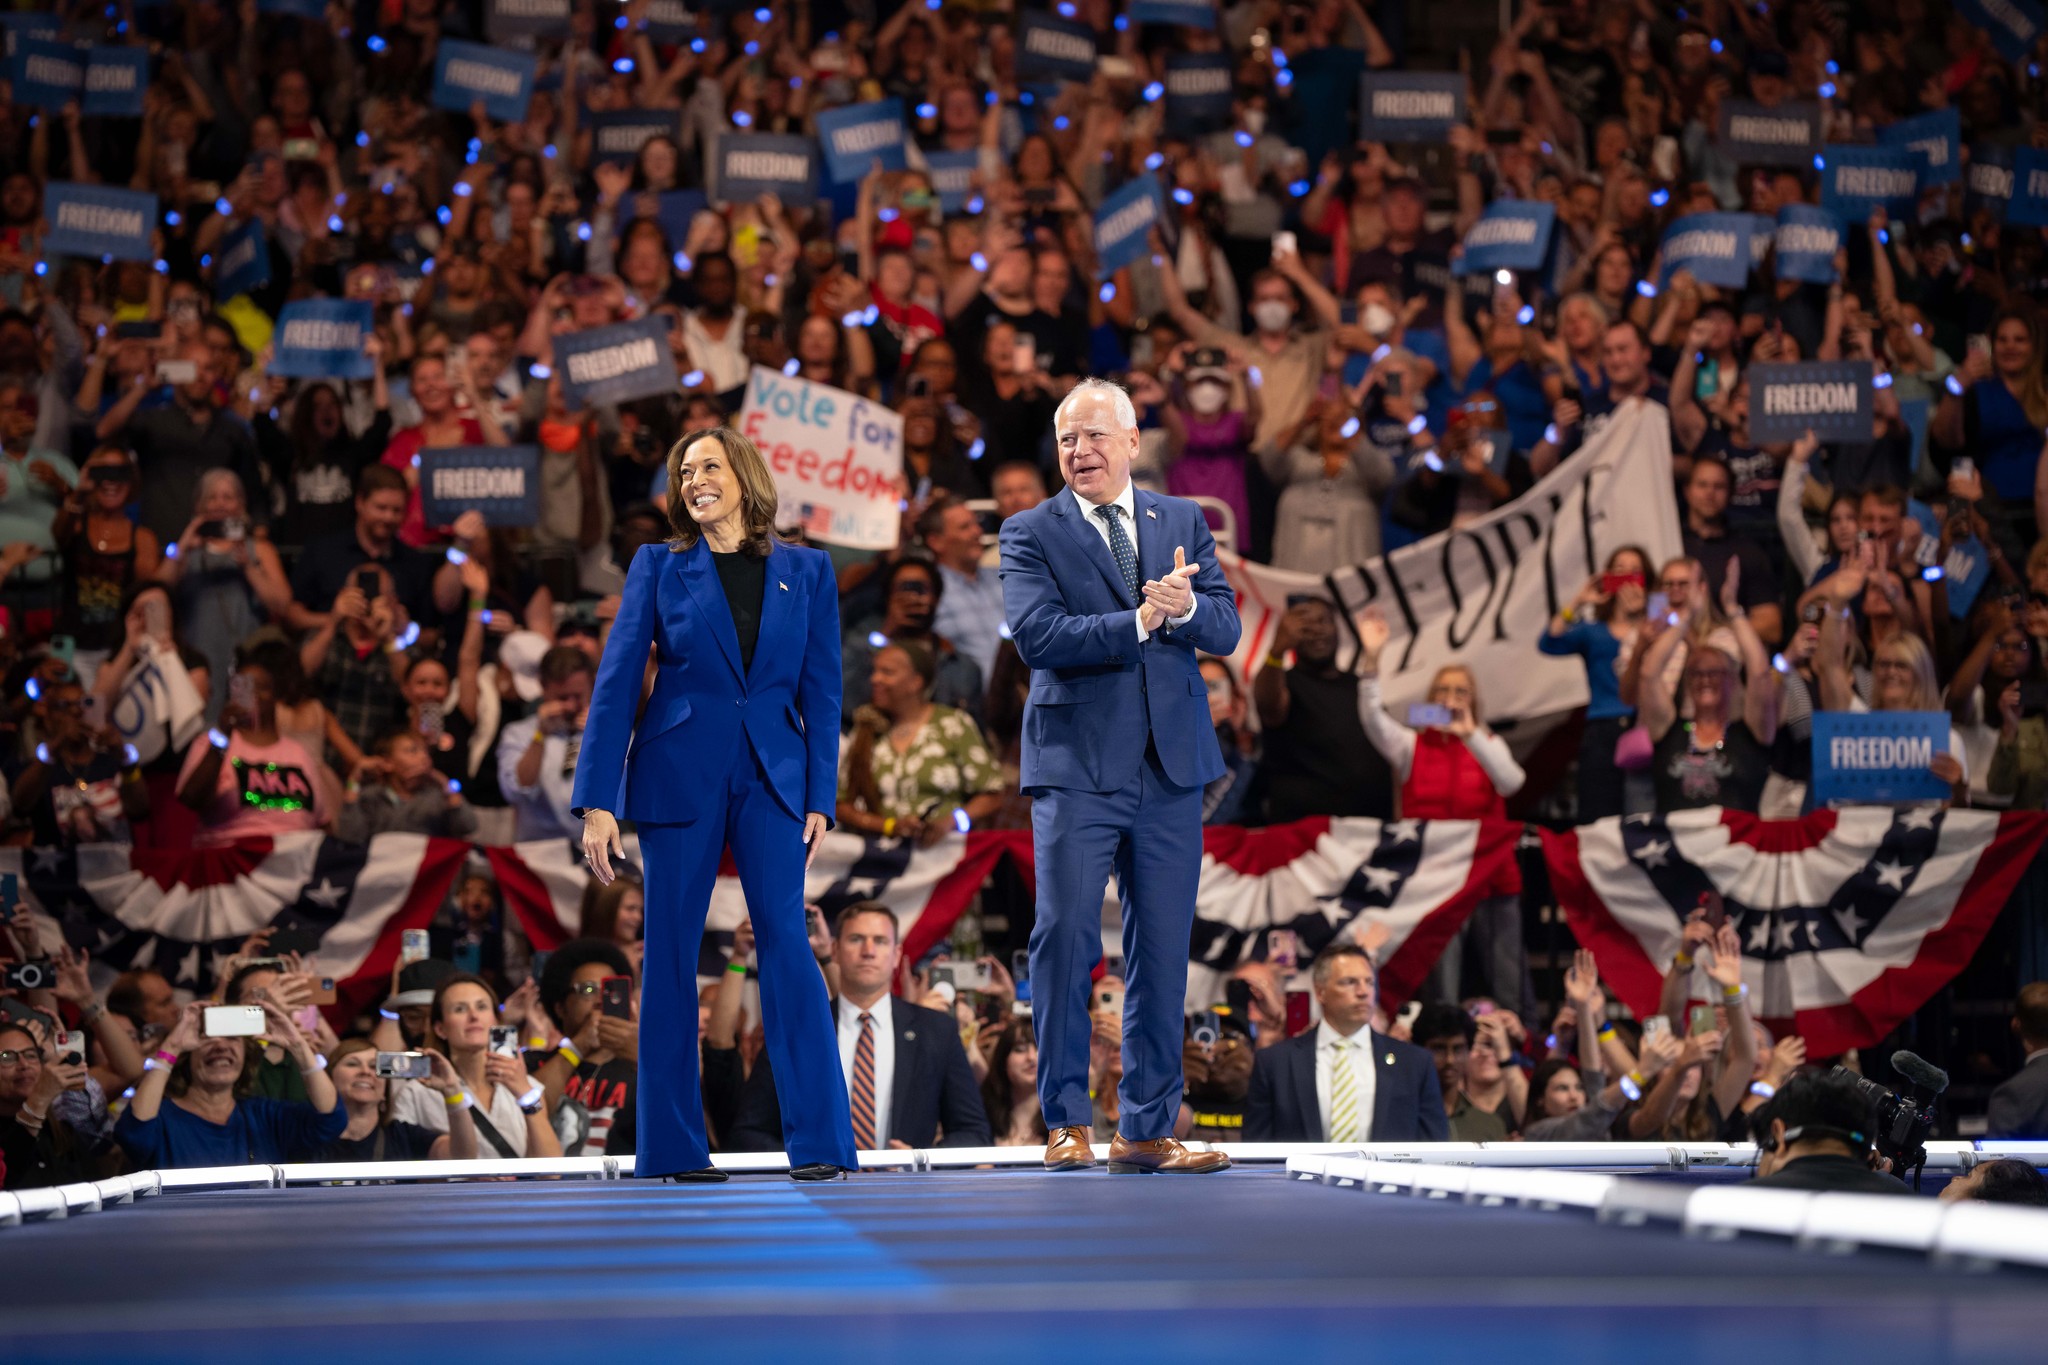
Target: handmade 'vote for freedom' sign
pixel 1878 756
pixel 1409 106
pixel 1513 234
pixel 1714 247
pixel 1807 239
pixel 502 482
pixel 616 364
pixel 1123 221
pixel 1936 139
pixel 1830 398
pixel 95 221
pixel 1050 49
pixel 470 73
pixel 750 165
pixel 857 136
pixel 619 134
pixel 1855 180
pixel 322 339
pixel 1785 134
pixel 837 458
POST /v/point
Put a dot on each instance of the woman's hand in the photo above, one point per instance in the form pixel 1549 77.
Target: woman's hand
pixel 1657 1054
pixel 815 825
pixel 1788 1054
pixel 285 1032
pixel 1373 633
pixel 1462 725
pixel 509 1072
pixel 189 1031
pixel 602 843
pixel 1725 966
pixel 1581 981
pixel 1947 768
pixel 743 938
pixel 1700 1047
pixel 73 982
pixel 2008 713
pixel 443 1078
pixel 521 1004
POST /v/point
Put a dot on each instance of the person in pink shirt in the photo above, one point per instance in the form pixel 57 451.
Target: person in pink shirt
pixel 246 779
pixel 452 413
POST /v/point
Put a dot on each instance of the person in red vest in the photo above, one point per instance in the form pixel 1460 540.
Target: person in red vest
pixel 1451 767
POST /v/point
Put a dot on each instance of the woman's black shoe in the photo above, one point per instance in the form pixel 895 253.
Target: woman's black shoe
pixel 708 1175
pixel 817 1171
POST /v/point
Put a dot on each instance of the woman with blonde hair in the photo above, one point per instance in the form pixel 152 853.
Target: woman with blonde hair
pixel 1719 755
pixel 738 745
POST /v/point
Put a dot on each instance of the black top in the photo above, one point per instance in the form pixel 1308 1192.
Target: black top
pixel 1319 761
pixel 1730 774
pixel 744 578
pixel 1839 1174
pixel 402 1142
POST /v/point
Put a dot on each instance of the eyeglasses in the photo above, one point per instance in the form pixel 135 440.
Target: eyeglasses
pixel 14 1056
pixel 585 987
pixel 916 587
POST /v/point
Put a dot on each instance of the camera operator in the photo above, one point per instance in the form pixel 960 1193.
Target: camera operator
pixel 1815 1135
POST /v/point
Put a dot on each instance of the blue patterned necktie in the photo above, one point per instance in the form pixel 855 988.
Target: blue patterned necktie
pixel 1120 546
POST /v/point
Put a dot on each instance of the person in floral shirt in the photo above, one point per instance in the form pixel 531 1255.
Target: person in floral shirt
pixel 912 766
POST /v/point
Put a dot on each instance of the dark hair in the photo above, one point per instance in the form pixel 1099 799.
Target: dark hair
pixel 866 908
pixel 281 661
pixel 124 997
pixel 601 909
pixel 2007 1180
pixel 449 983
pixel 1642 337
pixel 1442 1021
pixel 379 478
pixel 1326 961
pixel 232 995
pixel 1817 1105
pixel 870 724
pixel 921 565
pixel 757 491
pixel 1002 708
pixel 932 520
pixel 2030 1011
pixel 563 662
pixel 560 974
pixel 996 1096
pixel 1550 1069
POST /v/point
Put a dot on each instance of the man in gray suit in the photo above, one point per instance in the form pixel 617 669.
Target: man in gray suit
pixel 2019 1108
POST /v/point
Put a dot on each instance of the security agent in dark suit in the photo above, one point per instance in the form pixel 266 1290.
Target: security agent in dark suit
pixel 906 1074
pixel 1344 1081
pixel 2019 1107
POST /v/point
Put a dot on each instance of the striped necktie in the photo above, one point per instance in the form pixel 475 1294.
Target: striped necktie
pixel 1344 1126
pixel 1120 546
pixel 864 1086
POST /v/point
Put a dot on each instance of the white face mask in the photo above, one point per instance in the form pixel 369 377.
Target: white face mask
pixel 1378 319
pixel 1207 397
pixel 1272 315
pixel 1255 121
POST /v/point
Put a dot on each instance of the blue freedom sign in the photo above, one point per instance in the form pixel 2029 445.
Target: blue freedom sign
pixel 2028 203
pixel 1714 247
pixel 1052 49
pixel 502 482
pixel 242 261
pixel 1198 91
pixel 857 136
pixel 304 9
pixel 470 73
pixel 1409 106
pixel 1988 180
pixel 1831 398
pixel 1878 756
pixel 322 339
pixel 1854 180
pixel 619 134
pixel 1124 222
pixel 669 22
pixel 1785 134
pixel 1806 240
pixel 47 74
pixel 1936 139
pixel 528 19
pixel 115 79
pixel 616 364
pixel 2012 25
pixel 675 210
pixel 1966 570
pixel 750 165
pixel 1513 234
pixel 95 221
pixel 952 177
pixel 18 25
pixel 1186 13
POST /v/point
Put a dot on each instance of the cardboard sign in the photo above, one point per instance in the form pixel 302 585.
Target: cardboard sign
pixel 323 339
pixel 115 79
pixel 2027 205
pixel 837 458
pixel 242 261
pixel 1409 106
pixel 95 221
pixel 1124 221
pixel 1199 86
pixel 1806 240
pixel 1715 247
pixel 1936 139
pixel 1785 134
pixel 749 165
pixel 952 177
pixel 619 134
pixel 616 364
pixel 1186 13
pixel 1988 181
pixel 1855 180
pixel 2012 25
pixel 857 136
pixel 1879 756
pixel 528 19
pixel 1513 234
pixel 469 73
pixel 502 482
pixel 47 74
pixel 1830 398
pixel 1052 49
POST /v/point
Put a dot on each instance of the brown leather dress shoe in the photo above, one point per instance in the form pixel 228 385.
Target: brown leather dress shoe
pixel 1163 1156
pixel 1068 1150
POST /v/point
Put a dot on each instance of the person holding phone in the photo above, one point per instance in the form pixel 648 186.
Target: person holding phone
pixel 593 1077
pixel 225 576
pixel 244 777
pixel 1451 767
pixel 1602 626
pixel 506 1103
pixel 744 630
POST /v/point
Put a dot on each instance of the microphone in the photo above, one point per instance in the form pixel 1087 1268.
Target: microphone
pixel 1921 1073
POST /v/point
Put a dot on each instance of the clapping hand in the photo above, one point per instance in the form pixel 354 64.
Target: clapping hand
pixel 1173 596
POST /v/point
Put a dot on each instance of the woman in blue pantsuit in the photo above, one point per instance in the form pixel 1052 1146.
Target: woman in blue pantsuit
pixel 738 746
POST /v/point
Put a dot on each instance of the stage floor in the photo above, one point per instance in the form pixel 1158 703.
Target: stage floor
pixel 978 1266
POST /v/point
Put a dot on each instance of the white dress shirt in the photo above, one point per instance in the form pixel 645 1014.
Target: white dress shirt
pixel 541 811
pixel 1363 1075
pixel 884 1025
pixel 1128 501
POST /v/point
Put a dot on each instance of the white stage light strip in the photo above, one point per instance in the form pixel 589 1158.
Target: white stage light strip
pixel 219 1177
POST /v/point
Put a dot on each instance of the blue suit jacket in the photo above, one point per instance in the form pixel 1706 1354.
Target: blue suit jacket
pixel 1407 1102
pixel 670 766
pixel 1097 694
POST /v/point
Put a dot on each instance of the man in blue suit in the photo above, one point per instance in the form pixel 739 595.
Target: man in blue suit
pixel 1110 592
pixel 1344 1081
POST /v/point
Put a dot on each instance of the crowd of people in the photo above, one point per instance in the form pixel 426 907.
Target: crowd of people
pixel 226 613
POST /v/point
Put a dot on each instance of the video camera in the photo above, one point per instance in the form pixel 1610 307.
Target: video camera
pixel 1900 1123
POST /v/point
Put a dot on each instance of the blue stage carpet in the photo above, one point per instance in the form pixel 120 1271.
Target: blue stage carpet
pixel 975 1266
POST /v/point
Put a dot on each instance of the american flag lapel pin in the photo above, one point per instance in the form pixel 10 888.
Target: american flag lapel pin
pixel 1152 513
